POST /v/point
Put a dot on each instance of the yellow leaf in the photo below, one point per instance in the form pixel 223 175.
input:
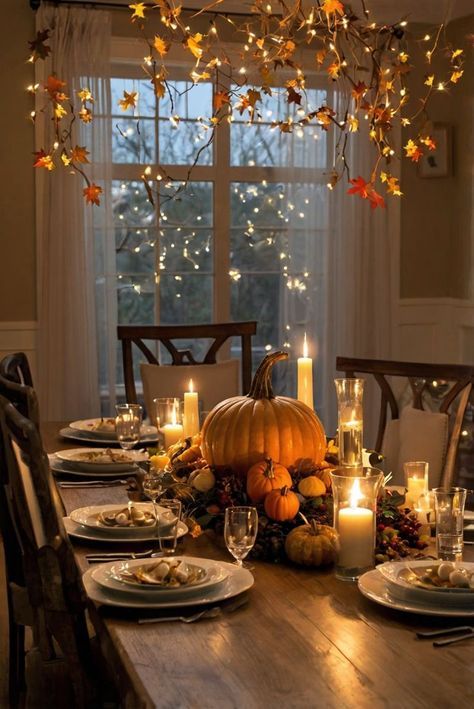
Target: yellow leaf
pixel 138 10
pixel 85 115
pixel 429 80
pixel 403 56
pixel 161 45
pixel 383 176
pixel 65 160
pixel 393 187
pixel 456 53
pixel 406 122
pixel 85 95
pixel 333 70
pixel 193 44
pixel 129 100
pixel 353 124
pixel 456 75
pixel 59 111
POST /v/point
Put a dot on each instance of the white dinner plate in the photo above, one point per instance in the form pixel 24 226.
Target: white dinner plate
pixel 95 535
pixel 74 457
pixel 86 427
pixel 89 517
pixel 394 572
pixel 238 581
pixel 375 587
pixel 60 467
pixel 73 435
pixel 108 576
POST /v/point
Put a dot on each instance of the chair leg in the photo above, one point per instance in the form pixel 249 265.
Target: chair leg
pixel 16 659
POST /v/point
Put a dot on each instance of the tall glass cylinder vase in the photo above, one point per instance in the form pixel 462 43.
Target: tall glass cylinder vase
pixel 355 509
pixel 350 421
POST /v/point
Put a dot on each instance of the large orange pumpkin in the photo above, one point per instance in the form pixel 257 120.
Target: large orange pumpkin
pixel 240 431
pixel 265 476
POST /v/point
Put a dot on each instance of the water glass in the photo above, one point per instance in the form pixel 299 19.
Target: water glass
pixel 128 423
pixel 240 531
pixel 168 527
pixel 449 506
pixel 416 481
pixel 350 421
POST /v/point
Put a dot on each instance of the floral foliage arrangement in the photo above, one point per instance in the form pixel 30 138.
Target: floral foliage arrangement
pixel 206 493
pixel 275 49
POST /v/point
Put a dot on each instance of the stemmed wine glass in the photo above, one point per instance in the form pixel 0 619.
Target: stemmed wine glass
pixel 154 488
pixel 240 531
pixel 128 424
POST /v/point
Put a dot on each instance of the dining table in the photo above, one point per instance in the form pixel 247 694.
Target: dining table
pixel 300 638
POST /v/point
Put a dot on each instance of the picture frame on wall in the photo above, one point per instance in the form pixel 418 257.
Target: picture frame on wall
pixel 437 163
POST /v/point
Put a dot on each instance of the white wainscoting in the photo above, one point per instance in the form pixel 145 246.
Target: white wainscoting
pixel 434 330
pixel 19 337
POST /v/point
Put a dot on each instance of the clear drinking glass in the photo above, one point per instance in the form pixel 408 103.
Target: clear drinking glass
pixel 168 529
pixel 449 507
pixel 350 421
pixel 128 422
pixel 240 531
pixel 153 488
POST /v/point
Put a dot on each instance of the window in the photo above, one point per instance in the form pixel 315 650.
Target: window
pixel 245 239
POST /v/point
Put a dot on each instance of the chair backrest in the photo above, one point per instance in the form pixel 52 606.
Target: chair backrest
pixel 219 333
pixel 22 396
pixel 52 577
pixel 451 382
pixel 16 368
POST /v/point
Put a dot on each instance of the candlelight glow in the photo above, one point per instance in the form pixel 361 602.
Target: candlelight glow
pixel 355 495
pixel 305 346
pixel 191 387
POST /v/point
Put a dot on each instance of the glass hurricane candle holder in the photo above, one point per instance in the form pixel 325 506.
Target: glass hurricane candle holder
pixel 168 416
pixel 355 506
pixel 416 482
pixel 350 421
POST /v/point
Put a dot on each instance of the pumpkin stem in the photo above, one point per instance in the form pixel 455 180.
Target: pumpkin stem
pixel 314 527
pixel 269 472
pixel 261 387
pixel 284 490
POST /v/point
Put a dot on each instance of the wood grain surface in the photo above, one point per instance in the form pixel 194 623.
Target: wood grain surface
pixel 304 639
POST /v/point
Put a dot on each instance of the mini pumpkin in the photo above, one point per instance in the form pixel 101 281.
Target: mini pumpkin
pixel 281 505
pixel 312 486
pixel 312 545
pixel 203 480
pixel 265 476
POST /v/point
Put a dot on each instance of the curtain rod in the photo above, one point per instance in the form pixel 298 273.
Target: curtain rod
pixel 91 4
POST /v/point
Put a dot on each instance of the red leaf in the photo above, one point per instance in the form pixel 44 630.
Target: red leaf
pixel 92 193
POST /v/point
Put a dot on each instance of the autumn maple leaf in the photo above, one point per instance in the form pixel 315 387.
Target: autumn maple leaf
pixel 42 159
pixel 334 70
pixel 92 193
pixel 54 87
pixel 456 75
pixel 413 150
pixel 129 100
pixel 193 43
pixel 221 98
pixel 161 45
pixel 392 184
pixel 79 154
pixel 366 191
pixel 293 96
pixel 429 142
pixel 324 116
pixel 359 90
pixel 332 6
pixel 39 49
pixel 138 11
pixel 85 95
pixel 85 114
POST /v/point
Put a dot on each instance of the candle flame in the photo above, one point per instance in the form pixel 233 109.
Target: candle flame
pixel 174 415
pixel 191 387
pixel 356 495
pixel 305 346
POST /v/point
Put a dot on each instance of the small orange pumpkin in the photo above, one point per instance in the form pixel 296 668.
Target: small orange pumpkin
pixel 281 505
pixel 265 476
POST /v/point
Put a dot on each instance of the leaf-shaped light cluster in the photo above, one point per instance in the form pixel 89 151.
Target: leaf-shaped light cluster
pixel 280 46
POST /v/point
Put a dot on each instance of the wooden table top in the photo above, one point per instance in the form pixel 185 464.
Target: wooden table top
pixel 304 639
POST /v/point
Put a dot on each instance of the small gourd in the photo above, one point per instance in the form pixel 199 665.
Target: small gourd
pixel 312 545
pixel 281 505
pixel 265 476
pixel 204 480
pixel 311 486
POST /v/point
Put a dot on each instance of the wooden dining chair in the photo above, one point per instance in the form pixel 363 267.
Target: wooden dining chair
pixel 449 384
pixel 52 579
pixel 16 368
pixel 218 333
pixel 22 396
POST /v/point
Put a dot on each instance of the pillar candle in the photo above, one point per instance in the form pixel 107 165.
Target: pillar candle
pixel 415 488
pixel 172 433
pixel 356 533
pixel 305 377
pixel 191 411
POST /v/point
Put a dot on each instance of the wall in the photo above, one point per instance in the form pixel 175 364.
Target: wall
pixel 434 318
pixel 17 198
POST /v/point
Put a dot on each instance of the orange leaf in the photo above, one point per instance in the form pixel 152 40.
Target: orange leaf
pixel 54 88
pixel 413 150
pixel 221 98
pixel 92 193
pixel 334 70
pixel 366 191
pixel 193 43
pixel 79 154
pixel 359 90
pixel 161 46
pixel 129 100
pixel 332 6
pixel 429 142
pixel 85 114
pixel 42 159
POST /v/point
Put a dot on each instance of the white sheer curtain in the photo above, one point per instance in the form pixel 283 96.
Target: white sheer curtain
pixel 68 379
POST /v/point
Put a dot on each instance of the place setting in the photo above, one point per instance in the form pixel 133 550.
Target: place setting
pixel 126 429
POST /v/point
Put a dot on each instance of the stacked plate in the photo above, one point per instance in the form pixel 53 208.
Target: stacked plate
pixel 396 584
pixel 96 462
pixel 90 523
pixel 118 584
pixel 102 431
